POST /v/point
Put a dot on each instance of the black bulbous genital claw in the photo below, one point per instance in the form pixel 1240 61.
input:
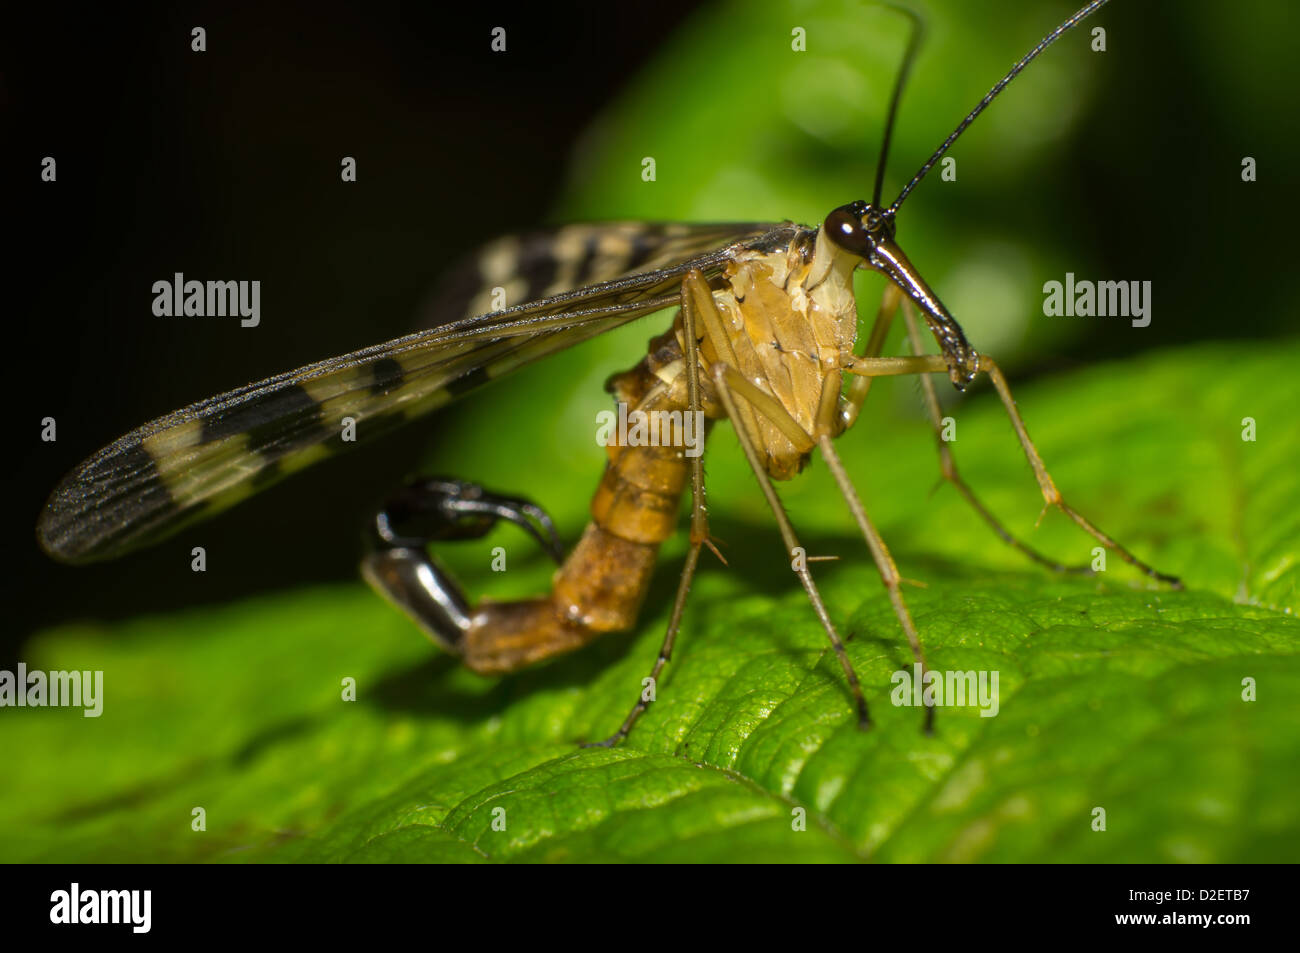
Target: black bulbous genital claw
pixel 439 510
pixel 399 566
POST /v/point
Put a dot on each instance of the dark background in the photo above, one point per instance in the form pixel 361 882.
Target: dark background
pixel 225 165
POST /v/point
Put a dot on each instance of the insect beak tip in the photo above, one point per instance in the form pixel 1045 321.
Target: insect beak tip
pixel 961 376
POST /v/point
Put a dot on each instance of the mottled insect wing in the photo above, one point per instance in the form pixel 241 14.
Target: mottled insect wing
pixel 536 265
pixel 196 461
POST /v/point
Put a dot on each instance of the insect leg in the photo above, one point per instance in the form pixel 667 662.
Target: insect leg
pixel 1050 494
pixel 935 364
pixel 948 465
pixel 859 387
pixel 889 574
pixel 696 296
pixel 729 384
pixel 897 366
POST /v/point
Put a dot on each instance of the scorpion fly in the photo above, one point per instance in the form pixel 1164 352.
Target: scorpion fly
pixel 764 335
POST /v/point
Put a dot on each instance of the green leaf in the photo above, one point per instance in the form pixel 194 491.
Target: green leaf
pixel 1112 694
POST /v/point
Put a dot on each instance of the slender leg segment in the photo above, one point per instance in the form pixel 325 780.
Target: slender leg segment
pixel 858 388
pixel 948 465
pixel 1051 495
pixel 936 364
pixel 889 574
pixel 729 386
pixel 856 395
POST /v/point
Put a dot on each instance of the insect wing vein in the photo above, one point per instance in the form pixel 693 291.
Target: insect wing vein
pixel 194 462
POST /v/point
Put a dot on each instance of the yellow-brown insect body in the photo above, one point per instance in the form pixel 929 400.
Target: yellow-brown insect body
pixel 790 322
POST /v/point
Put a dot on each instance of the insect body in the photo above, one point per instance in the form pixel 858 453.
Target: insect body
pixel 783 314
pixel 764 336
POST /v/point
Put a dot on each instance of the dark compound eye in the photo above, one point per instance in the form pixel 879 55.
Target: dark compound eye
pixel 844 227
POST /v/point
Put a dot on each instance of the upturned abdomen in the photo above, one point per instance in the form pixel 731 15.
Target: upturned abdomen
pixel 603 582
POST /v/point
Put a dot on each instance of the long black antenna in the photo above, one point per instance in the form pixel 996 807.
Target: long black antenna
pixel 992 94
pixel 913 45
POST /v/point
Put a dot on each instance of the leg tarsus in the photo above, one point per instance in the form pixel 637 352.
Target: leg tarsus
pixel 926 364
pixel 864 717
pixel 1051 494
